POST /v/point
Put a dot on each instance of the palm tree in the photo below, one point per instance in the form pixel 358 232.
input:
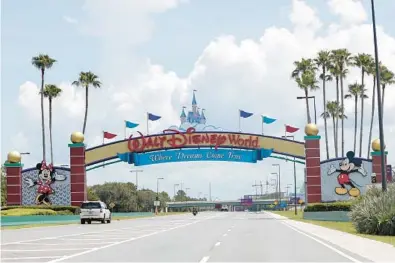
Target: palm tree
pixel 86 79
pixel 51 92
pixel 43 62
pixel 364 62
pixel 307 82
pixel 355 91
pixel 323 60
pixel 342 58
pixel 304 75
pixel 333 111
pixel 387 78
pixel 335 72
pixel 372 71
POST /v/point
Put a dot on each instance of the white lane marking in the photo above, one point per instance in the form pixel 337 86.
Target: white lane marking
pixel 204 259
pixel 77 234
pixel 229 230
pixel 323 243
pixel 26 258
pixel 62 244
pixel 217 244
pixel 225 235
pixel 43 250
pixel 121 242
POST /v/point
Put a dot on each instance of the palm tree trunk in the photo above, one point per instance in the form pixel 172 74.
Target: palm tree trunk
pixel 325 121
pixel 337 118
pixel 382 101
pixel 86 109
pixel 50 127
pixel 42 113
pixel 355 123
pixel 342 111
pixel 372 116
pixel 362 111
pixel 334 130
pixel 307 105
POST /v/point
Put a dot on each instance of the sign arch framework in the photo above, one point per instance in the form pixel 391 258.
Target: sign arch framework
pixel 262 145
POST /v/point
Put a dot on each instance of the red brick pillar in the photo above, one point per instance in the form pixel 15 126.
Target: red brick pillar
pixel 313 164
pixel 77 169
pixel 376 161
pixel 13 169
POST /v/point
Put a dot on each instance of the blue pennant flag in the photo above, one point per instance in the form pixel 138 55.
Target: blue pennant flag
pixel 153 117
pixel 245 114
pixel 131 125
pixel 267 120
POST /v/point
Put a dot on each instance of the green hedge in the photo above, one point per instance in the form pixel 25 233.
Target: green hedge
pixel 62 209
pixel 335 206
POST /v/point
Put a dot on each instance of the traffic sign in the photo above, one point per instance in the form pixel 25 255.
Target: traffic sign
pixel 156 203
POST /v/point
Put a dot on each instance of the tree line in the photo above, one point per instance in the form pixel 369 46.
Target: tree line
pixel 334 65
pixel 124 197
pixel 85 80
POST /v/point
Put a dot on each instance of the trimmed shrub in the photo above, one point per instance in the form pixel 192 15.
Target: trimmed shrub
pixel 374 213
pixel 72 209
pixel 28 212
pixel 322 207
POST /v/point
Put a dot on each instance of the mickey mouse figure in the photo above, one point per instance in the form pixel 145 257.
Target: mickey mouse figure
pixel 348 166
pixel 46 177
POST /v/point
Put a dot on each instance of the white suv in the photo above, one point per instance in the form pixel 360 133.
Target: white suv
pixel 94 211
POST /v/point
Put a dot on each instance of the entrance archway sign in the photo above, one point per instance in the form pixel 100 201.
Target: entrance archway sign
pixel 127 149
pixel 177 146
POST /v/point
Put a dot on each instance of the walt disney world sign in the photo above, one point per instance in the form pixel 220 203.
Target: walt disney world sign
pixel 168 148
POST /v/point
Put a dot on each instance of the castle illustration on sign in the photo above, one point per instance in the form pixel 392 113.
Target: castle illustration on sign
pixel 194 118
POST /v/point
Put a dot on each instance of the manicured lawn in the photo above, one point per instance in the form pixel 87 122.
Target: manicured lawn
pixel 341 226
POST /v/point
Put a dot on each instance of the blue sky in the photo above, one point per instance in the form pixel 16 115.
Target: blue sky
pixel 178 38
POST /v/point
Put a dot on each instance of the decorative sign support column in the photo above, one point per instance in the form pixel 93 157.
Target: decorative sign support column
pixel 376 161
pixel 77 169
pixel 313 164
pixel 13 167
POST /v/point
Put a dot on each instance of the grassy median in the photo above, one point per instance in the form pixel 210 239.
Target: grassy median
pixel 115 218
pixel 341 226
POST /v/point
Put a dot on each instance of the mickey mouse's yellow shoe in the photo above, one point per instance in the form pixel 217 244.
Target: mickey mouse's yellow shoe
pixel 341 191
pixel 354 192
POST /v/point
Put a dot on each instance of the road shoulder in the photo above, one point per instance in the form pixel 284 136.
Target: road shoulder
pixel 370 249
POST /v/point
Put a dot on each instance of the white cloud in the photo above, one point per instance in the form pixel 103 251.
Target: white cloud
pixel 230 74
pixel 350 11
pixel 70 20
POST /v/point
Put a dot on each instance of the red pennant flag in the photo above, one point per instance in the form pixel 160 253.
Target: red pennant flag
pixel 109 135
pixel 290 129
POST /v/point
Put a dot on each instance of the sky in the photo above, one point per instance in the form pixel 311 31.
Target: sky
pixel 150 55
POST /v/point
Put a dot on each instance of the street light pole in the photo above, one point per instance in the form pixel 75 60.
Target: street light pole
pixel 175 185
pixel 379 104
pixel 276 174
pixel 137 179
pixel 315 108
pixel 186 197
pixel 279 179
pixel 157 193
pixel 296 210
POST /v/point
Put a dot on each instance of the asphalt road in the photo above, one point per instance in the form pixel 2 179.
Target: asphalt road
pixel 208 237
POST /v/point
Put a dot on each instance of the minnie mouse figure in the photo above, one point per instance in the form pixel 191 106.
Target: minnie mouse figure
pixel 46 177
pixel 348 166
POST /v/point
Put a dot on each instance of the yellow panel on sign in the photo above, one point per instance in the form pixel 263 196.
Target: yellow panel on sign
pixel 195 139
